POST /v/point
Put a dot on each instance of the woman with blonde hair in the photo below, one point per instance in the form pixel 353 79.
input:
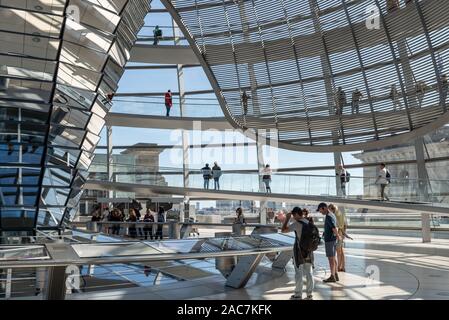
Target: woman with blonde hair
pixel 341 225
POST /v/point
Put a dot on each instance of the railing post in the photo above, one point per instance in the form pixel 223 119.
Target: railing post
pixel 8 283
pixel 56 286
pixel 91 267
pixel 425 228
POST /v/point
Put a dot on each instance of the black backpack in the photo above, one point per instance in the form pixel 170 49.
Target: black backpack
pixel 346 177
pixel 388 176
pixel 310 237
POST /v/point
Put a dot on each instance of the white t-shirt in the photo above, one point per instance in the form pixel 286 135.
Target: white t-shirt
pixel 382 176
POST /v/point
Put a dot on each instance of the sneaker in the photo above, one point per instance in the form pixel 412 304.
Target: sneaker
pixel 309 297
pixel 330 279
pixel 295 297
pixel 336 277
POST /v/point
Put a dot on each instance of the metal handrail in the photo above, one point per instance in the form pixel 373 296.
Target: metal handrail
pixel 274 173
pixel 142 258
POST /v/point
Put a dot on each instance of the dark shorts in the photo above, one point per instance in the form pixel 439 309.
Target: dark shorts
pixel 330 248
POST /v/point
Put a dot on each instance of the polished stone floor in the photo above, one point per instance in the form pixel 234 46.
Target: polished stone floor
pixel 378 267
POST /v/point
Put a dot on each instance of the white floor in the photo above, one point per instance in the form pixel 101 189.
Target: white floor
pixel 405 269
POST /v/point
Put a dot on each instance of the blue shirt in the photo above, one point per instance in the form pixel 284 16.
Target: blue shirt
pixel 329 223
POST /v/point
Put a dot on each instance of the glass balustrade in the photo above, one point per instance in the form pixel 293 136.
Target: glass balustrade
pixel 408 190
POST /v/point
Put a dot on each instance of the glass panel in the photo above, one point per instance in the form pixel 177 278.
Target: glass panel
pixel 30 196
pixel 30 22
pixel 88 38
pixel 184 246
pixel 74 97
pixel 23 253
pixel 113 250
pixel 69 117
pixel 46 219
pixel 17 219
pixel 82 57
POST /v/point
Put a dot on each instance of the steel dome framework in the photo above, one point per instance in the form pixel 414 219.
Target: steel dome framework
pixel 291 56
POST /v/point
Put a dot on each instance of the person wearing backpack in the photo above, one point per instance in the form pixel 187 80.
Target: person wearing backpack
pixel 306 241
pixel 344 178
pixel 207 174
pixel 157 35
pixel 383 180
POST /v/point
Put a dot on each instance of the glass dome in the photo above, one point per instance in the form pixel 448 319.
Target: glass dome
pixel 324 75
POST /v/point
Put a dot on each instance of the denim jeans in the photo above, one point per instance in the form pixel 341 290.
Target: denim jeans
pixel 206 183
pixel 217 183
pixel 267 185
pixel 343 188
pixel 306 269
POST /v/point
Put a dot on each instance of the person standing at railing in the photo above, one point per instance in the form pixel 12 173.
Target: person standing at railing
pixel 245 99
pixel 137 206
pixel 421 88
pixel 96 214
pixel 160 227
pixel 148 229
pixel 168 102
pixel 157 35
pixel 266 178
pixel 239 222
pixel 216 173
pixel 392 5
pixel 105 218
pixel 444 89
pixel 341 226
pixel 383 179
pixel 207 175
pixel 340 101
pixel 240 218
pixel 116 216
pixel 356 96
pixel 132 228
pixel 394 96
pixel 344 178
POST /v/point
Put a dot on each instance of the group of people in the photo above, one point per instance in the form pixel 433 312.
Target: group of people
pixel 393 5
pixel 383 179
pixel 209 173
pixel 307 239
pixel 134 216
pixel 420 90
pixel 215 173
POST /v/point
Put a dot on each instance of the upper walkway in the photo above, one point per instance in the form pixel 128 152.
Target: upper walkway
pixel 161 122
pixel 163 54
pixel 261 196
